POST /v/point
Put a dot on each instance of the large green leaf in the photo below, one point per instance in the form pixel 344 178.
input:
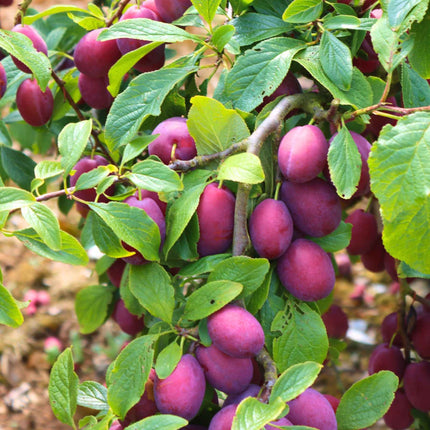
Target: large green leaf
pixel 10 314
pixel 399 9
pixel 18 166
pixel 206 8
pixel 259 72
pixel 159 422
pixel 399 166
pixel 93 395
pixel 245 168
pixel 14 198
pixel 415 89
pixel 167 360
pixel 419 57
pixel 336 240
pixel 303 11
pixel 214 127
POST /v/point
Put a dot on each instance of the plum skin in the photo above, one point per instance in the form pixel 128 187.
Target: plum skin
pixel 236 332
pixel 223 372
pixel 223 419
pixel 336 322
pixel 305 270
pixel 129 323
pixel 399 416
pixel 302 153
pixel 364 232
pixel 171 10
pixel 271 228
pixel 34 105
pixel 416 383
pixel 420 335
pixel 385 357
pixel 3 80
pixel 182 392
pixel 94 91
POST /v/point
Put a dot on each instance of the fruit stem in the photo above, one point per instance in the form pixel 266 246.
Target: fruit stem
pixel 22 8
pixel 278 187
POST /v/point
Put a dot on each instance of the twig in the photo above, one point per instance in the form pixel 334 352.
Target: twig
pixel 22 8
pixel 122 4
pixel 270 373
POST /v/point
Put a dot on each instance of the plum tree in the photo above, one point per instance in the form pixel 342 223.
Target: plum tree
pixel 182 392
pixel 305 270
pixel 271 228
pixel 34 105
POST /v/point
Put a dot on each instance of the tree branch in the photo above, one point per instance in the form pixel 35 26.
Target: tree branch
pixel 270 373
pixel 22 8
pixel 122 4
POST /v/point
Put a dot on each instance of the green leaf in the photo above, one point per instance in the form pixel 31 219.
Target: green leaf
pixel 303 338
pixel 415 89
pixel 29 19
pixel 245 168
pixel 14 198
pixel 405 271
pixel 21 47
pixel 336 60
pixel 336 240
pixel 344 163
pixel 210 298
pixel 366 401
pixel 359 95
pixel 10 314
pixel 71 251
pixel 5 138
pixel 149 30
pixel 295 380
pixel 259 72
pixel 136 147
pixel 91 306
pixel 254 27
pixel 152 286
pixel 206 8
pixel 92 178
pixel 129 374
pixel 159 422
pixel 63 388
pixel 303 11
pixel 254 415
pixel 419 57
pixel 48 169
pixel 142 98
pixel 18 166
pixel 71 143
pixel 93 395
pixel 45 223
pixel 250 272
pixel 221 36
pixel 400 179
pixel 399 9
pixel 167 360
pixel 132 225
pixel 202 265
pixel 155 176
pixel 341 22
pixel 214 127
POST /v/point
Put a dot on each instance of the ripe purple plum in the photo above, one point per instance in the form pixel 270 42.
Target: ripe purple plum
pixel 6 3
pixel 94 91
pixel 399 416
pixel 420 335
pixel 93 57
pixel 223 372
pixel 142 194
pixel 146 406
pixel 34 105
pixel 154 212
pixel 334 401
pixel 385 357
pixel 305 270
pixel 312 409
pixel 223 419
pixel 215 213
pixel 236 332
pixel 367 59
pixel 271 228
pixel 302 153
pixel 182 392
pixel 129 323
pixel 416 383
pixel 84 165
pixel 116 425
pixel 389 328
pixel 364 232
pixel 174 141
pixel 377 122
pixel 153 60
pixel 3 80
pixel 283 422
pixel 235 399
pixel 38 43
pixel 116 271
pixel 171 10
pixel 314 206
pixel 390 264
pixel 373 260
pixel 336 322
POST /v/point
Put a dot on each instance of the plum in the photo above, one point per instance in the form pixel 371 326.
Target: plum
pixel 420 335
pixel 390 265
pixel 305 270
pixel 141 194
pixel 223 372
pixel 416 383
pixel 38 43
pixel 366 59
pixel 283 422
pixel 154 212
pixel 215 214
pixel 116 425
pixel 312 409
pixel 174 141
pixel 236 332
pixel 271 228
pixel 235 399
pixel 154 60
pixel 302 153
pixel 116 271
pixel 94 91
pixel 377 122
pixel 385 357
pixel 314 206
pixel 399 416
pixel 171 10
pixel 93 57
pixel 34 105
pixel 373 260
pixel 364 232
pixel 389 328
pixel 129 323
pixel 182 392
pixel 223 419
pixel 334 401
pixel 3 80
pixel 336 322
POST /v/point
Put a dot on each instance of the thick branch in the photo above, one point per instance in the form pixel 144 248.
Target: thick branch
pixel 122 4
